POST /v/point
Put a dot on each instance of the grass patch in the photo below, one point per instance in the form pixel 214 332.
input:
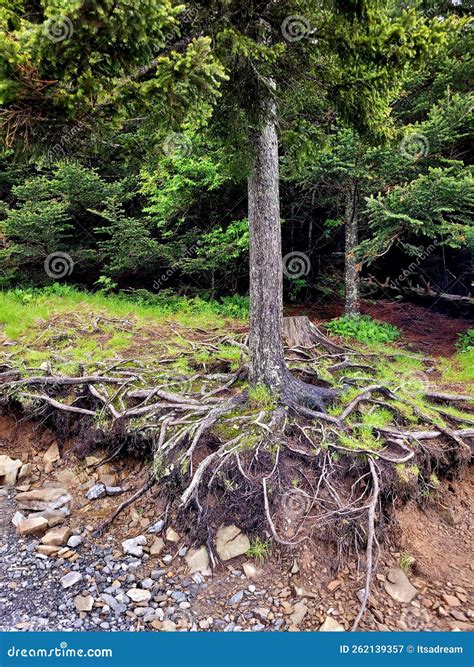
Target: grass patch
pixel 259 549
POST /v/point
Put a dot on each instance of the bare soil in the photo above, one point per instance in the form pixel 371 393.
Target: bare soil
pixel 423 328
pixel 438 534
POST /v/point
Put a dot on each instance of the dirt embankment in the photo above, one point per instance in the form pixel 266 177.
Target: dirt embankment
pixel 291 589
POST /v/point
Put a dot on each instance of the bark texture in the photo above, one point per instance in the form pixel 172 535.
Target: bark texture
pixel 267 363
pixel 351 274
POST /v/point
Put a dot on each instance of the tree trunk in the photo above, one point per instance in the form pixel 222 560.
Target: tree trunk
pixel 266 356
pixel 351 273
pixel 267 365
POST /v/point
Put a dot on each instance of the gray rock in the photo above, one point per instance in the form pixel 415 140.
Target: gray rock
pixel 139 595
pixel 74 541
pixel 156 527
pixel 97 491
pixel 17 518
pixel 198 561
pixel 300 611
pixel 113 490
pixel 398 586
pixel 167 559
pixel 231 542
pixel 70 579
pixel 134 546
pixel 235 599
pixel 147 583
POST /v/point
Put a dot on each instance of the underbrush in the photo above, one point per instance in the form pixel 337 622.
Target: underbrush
pixel 363 328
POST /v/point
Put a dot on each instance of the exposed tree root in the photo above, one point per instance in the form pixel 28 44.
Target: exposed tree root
pixel 292 466
pixel 370 542
pixel 99 531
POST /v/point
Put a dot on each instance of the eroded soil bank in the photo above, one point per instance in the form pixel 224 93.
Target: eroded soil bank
pixel 291 589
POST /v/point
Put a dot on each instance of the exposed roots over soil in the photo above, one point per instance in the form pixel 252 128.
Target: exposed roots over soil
pixel 283 466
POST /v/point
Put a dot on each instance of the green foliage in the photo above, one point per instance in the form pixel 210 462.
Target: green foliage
pixel 259 549
pixel 261 398
pixel 465 341
pixel 364 329
pixel 406 563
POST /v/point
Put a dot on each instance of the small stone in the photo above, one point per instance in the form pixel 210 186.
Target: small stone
pixel 47 549
pixel 300 611
pixel 139 595
pixel 92 461
pixel 53 517
pixel 198 561
pixel 52 454
pixel 451 600
pixel 17 518
pixel 134 546
pixel 84 603
pixel 74 541
pixel 32 526
pixel 43 499
pixel 9 470
pixel 95 492
pixel 331 625
pixel 25 471
pixel 157 546
pixel 235 599
pixel 231 542
pixel 398 586
pixel 251 571
pixel 70 579
pixel 156 527
pixel 172 535
pixel 113 490
pixel 56 536
pixel 167 560
pixel 168 626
